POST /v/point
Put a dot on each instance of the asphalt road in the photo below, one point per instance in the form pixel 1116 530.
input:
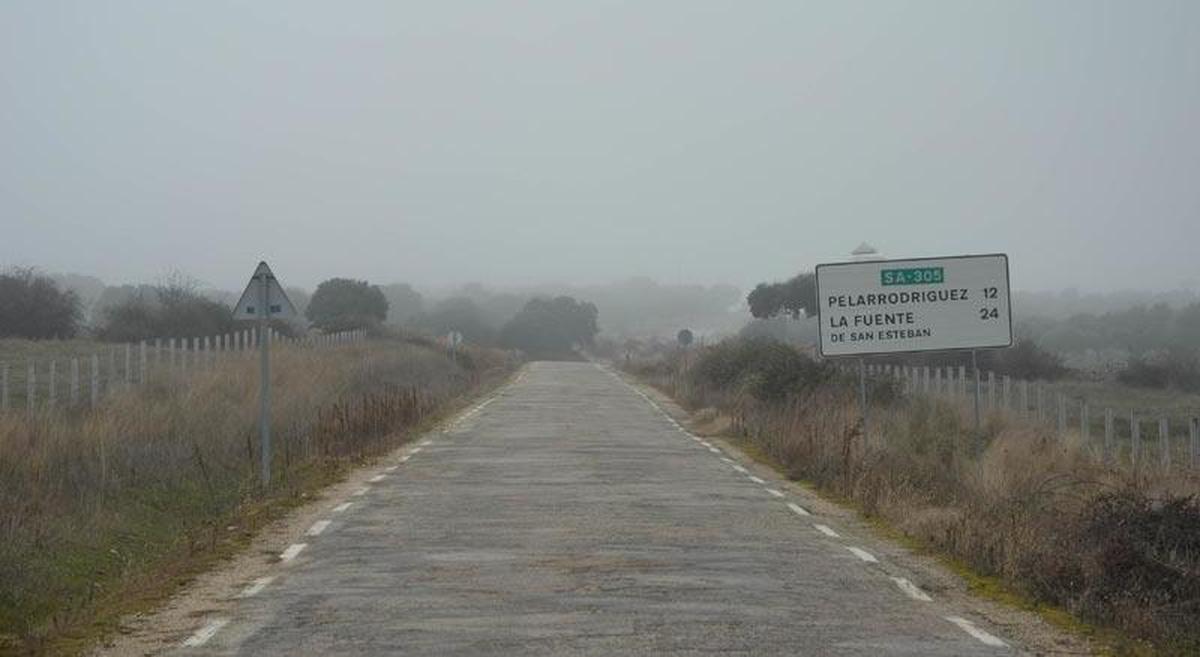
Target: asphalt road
pixel 570 516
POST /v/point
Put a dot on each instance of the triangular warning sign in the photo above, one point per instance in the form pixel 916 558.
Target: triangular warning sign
pixel 250 305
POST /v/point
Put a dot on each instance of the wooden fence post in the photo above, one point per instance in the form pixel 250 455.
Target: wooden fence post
pixel 1041 402
pixel 112 369
pixel 1085 425
pixel 4 387
pixel 1062 413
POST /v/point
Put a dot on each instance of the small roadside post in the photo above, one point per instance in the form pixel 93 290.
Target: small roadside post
pixel 262 301
pixel 453 339
pixel 876 307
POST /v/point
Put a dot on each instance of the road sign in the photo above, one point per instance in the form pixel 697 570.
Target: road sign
pixel 251 302
pixel 263 301
pixel 454 338
pixel 924 304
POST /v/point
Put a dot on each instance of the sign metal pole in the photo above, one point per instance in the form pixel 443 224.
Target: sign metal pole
pixel 264 386
pixel 862 394
pixel 975 366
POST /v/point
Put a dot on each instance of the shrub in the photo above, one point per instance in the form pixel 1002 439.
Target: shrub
pixel 342 304
pixel 32 306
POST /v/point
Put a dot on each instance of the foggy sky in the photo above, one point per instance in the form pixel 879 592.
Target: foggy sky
pixel 517 143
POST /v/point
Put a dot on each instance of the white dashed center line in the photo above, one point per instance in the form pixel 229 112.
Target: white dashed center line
pixel 205 633
pixel 317 527
pixel 863 554
pixel 797 509
pixel 969 627
pixel 255 587
pixel 827 531
pixel 911 590
pixel 291 551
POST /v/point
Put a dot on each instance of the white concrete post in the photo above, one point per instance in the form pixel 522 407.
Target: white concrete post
pixel 1135 437
pixel 31 387
pixel 1164 442
pixel 142 362
pixel 74 382
pixel 95 379
pixel 52 398
pixel 1108 434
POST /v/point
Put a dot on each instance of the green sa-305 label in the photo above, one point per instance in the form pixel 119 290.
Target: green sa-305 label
pixel 913 276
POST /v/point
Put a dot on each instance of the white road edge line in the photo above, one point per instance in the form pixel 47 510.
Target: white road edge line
pixel 776 493
pixel 714 450
pixel 739 468
pixel 798 510
pixel 377 478
pixel 425 443
pixel 969 627
pixel 317 527
pixel 416 450
pixel 205 633
pixel 912 590
pixel 256 586
pixel 291 551
pixel 391 468
pixel 824 529
pixel 757 480
pixel 342 507
pixel 862 554
pixel 361 491
pixel 405 458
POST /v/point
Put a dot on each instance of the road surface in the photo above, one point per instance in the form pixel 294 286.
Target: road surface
pixel 570 516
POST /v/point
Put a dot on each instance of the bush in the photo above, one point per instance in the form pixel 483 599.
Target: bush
pixel 174 309
pixel 341 304
pixel 551 328
pixel 33 307
pixel 767 369
pixel 1177 368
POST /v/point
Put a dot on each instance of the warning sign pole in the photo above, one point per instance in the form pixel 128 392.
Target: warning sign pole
pixel 264 374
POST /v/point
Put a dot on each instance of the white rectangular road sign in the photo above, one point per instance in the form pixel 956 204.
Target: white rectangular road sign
pixel 923 304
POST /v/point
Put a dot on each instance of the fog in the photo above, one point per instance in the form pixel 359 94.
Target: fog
pixel 521 144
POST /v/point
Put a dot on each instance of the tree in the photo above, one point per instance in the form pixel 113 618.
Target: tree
pixel 551 327
pixel 404 303
pixel 342 304
pixel 458 314
pixel 32 306
pixel 172 309
pixel 795 297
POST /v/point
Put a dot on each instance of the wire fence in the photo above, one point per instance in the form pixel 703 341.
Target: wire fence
pixel 1125 435
pixel 82 382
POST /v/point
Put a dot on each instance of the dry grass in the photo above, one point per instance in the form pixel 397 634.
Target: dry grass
pixel 1020 503
pixel 98 503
